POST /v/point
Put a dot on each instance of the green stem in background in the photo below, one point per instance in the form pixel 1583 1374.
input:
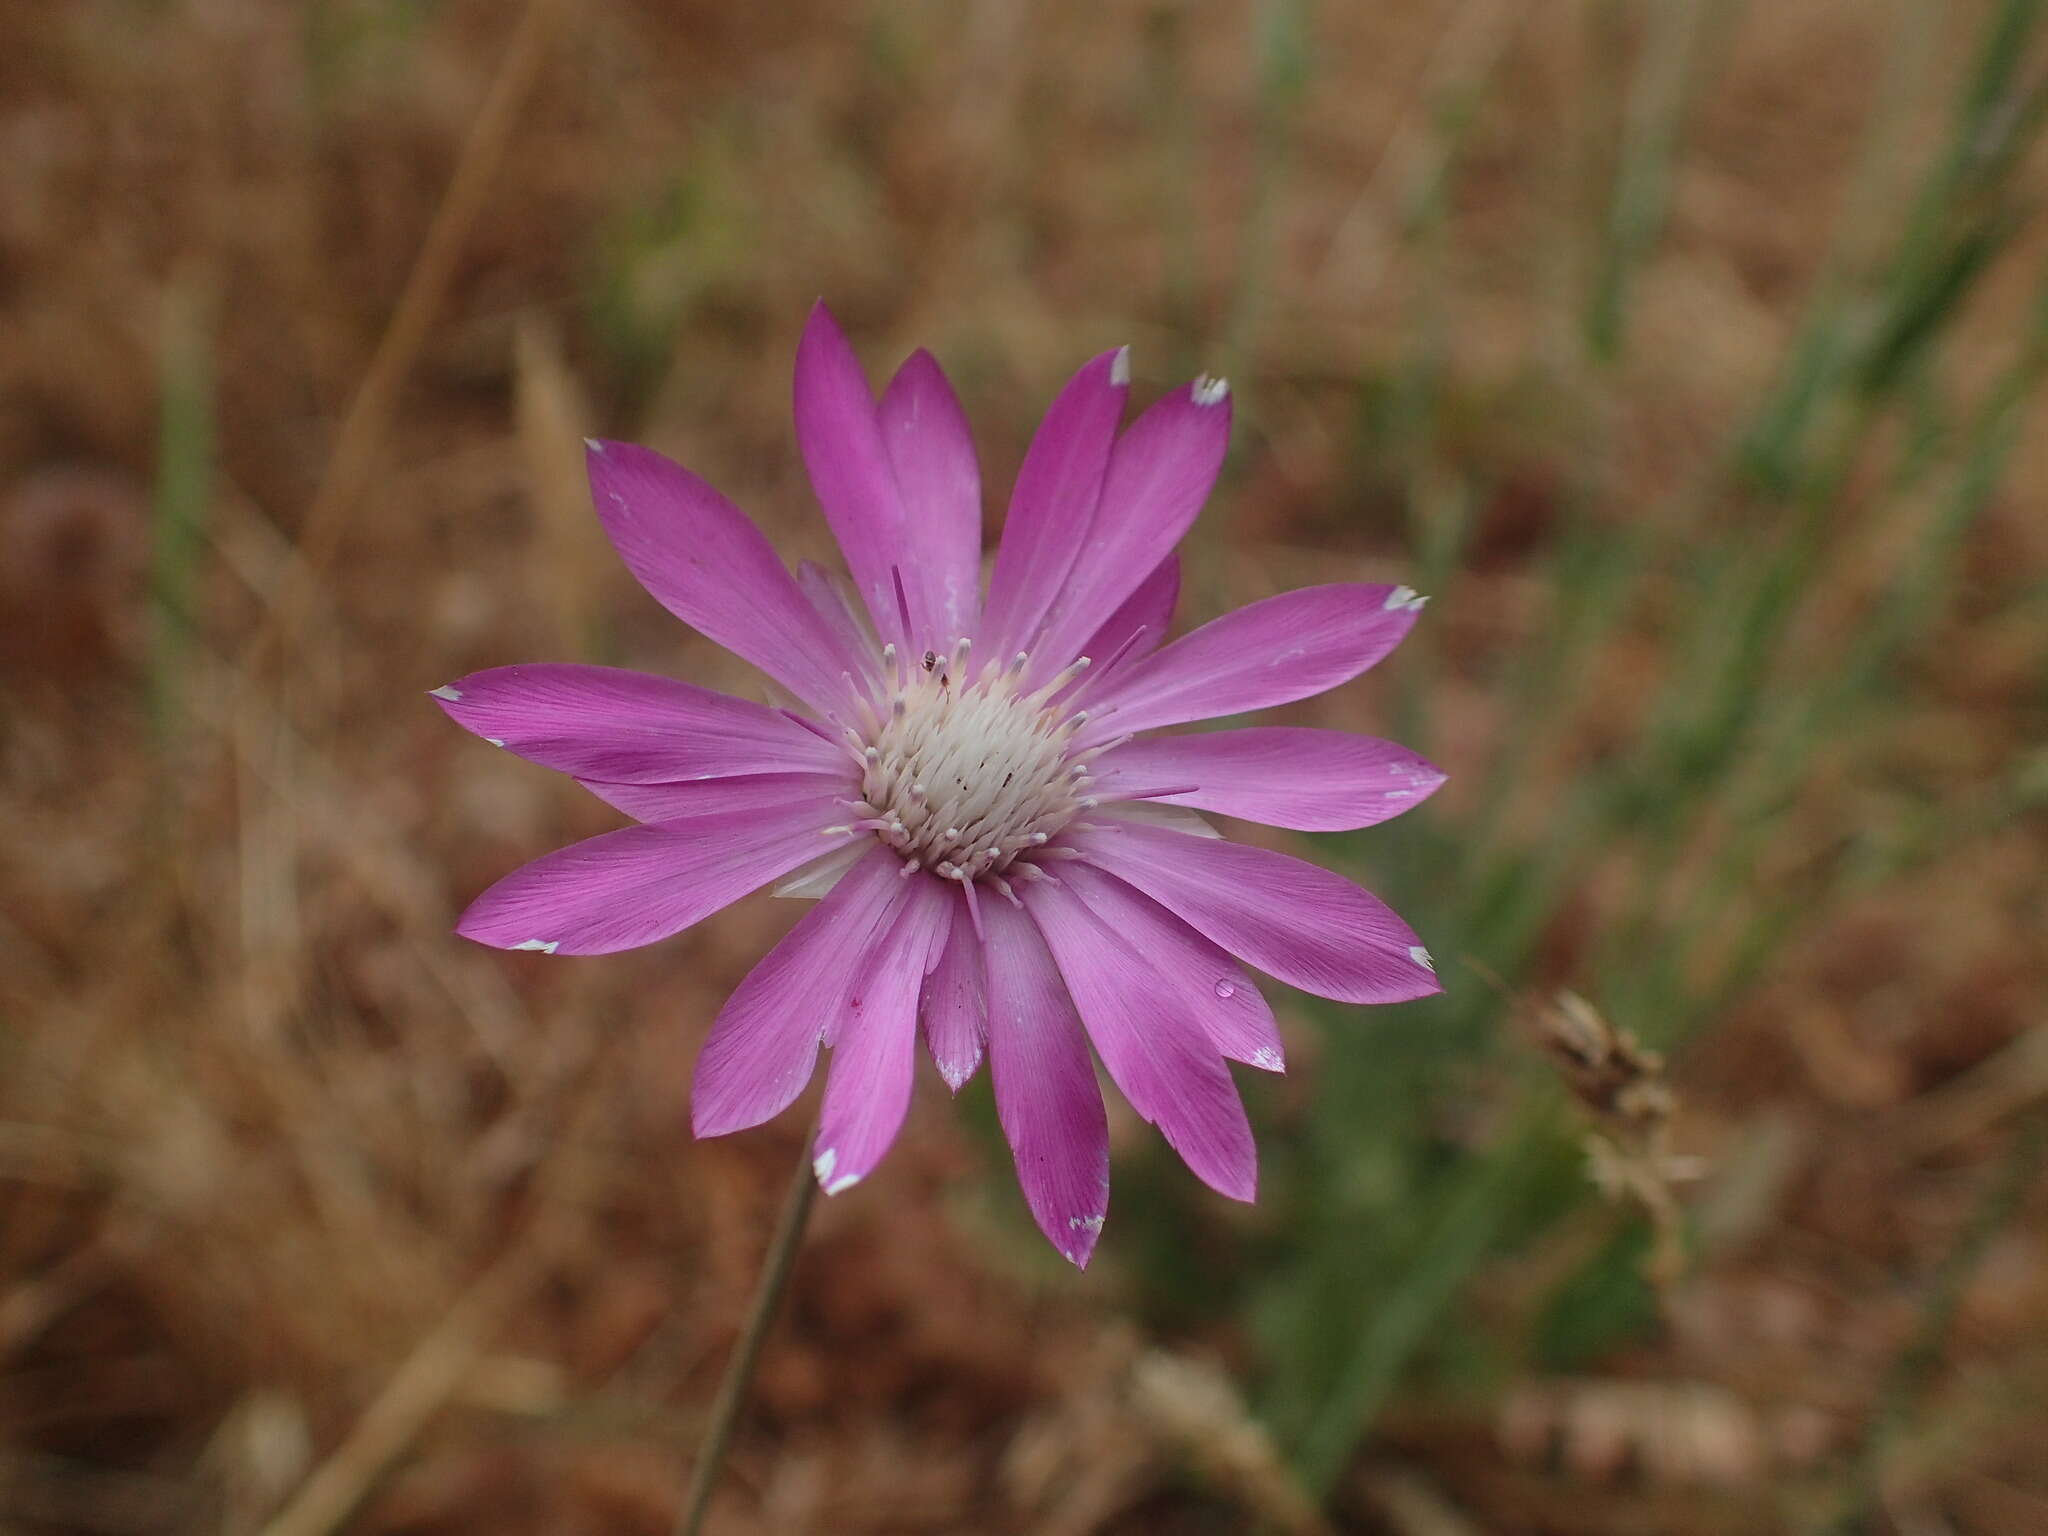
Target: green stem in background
pixel 182 493
pixel 746 1355
pixel 1470 1222
pixel 1915 1366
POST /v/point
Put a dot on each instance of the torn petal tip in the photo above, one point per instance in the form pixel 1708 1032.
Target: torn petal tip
pixel 824 1165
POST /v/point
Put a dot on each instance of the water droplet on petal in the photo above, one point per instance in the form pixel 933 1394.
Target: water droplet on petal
pixel 1225 989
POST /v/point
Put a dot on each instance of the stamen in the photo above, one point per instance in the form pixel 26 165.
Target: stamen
pixel 902 599
pixel 1151 794
pixel 807 722
pixel 968 777
pixel 1061 679
pixel 1089 754
pixel 1123 650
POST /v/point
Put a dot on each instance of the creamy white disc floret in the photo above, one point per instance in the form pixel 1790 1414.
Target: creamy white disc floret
pixel 967 771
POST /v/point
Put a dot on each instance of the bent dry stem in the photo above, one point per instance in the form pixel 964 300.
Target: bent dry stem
pixel 739 1371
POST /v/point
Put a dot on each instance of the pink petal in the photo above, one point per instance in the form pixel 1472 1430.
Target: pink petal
pixel 1054 502
pixel 1046 1094
pixel 932 451
pixel 828 593
pixel 761 1050
pixel 1159 1056
pixel 869 1087
pixel 1160 473
pixel 840 437
pixel 1206 983
pixel 699 557
pixel 1313 781
pixel 630 728
pixel 1293 920
pixel 1272 652
pixel 634 886
pixel 1135 630
pixel 697 797
pixel 955 1005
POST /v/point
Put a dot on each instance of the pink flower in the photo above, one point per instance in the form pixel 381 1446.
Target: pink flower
pixel 1008 857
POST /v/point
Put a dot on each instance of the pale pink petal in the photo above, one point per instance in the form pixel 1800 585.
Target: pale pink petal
pixel 1054 502
pixel 1135 630
pixel 841 440
pixel 1153 814
pixel 955 1005
pixel 816 879
pixel 1046 1094
pixel 1284 776
pixel 629 727
pixel 868 1090
pixel 1293 920
pixel 761 1050
pixel 699 557
pixel 1209 985
pixel 1273 652
pixel 932 451
pixel 1160 473
pixel 1160 1057
pixel 634 886
pixel 696 797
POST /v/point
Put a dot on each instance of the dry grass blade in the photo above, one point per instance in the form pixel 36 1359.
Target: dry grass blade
pixel 552 425
pixel 431 1375
pixel 363 429
pixel 440 1364
pixel 1195 1403
pixel 1997 1087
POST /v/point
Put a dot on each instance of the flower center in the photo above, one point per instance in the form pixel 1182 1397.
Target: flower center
pixel 967 772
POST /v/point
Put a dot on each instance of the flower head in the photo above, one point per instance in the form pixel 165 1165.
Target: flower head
pixel 1006 858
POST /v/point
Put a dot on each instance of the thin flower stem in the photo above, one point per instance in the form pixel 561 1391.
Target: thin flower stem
pixel 739 1371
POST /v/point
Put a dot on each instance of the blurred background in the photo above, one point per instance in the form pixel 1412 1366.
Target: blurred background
pixel 1687 352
